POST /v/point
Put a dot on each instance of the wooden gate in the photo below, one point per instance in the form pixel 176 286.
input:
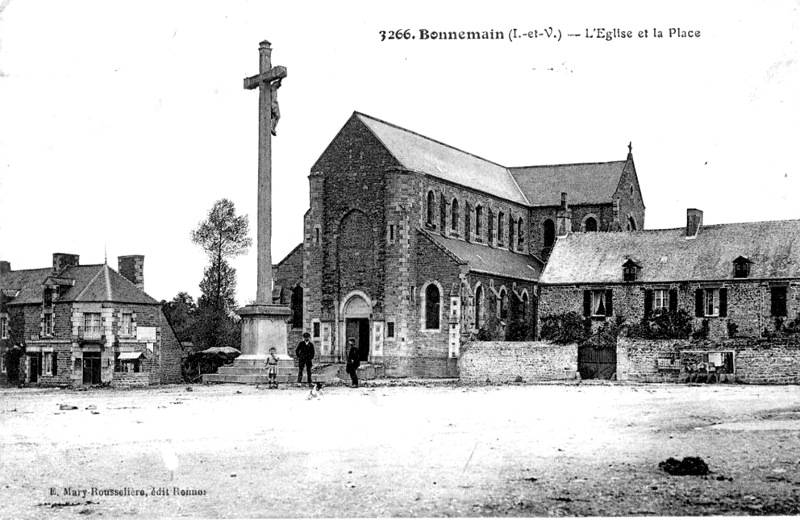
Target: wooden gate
pixel 597 363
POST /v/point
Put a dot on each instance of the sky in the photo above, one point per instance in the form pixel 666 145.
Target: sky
pixel 121 123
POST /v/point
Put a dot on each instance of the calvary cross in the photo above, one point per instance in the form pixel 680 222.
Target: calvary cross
pixel 268 80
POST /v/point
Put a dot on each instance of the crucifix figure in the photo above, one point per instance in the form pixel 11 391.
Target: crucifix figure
pixel 267 81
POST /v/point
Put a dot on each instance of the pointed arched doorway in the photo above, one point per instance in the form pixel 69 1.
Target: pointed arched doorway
pixel 356 312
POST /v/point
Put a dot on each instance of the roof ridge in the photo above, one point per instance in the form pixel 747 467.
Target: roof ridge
pixel 89 284
pixel 750 222
pixel 565 164
pixel 108 283
pixel 430 139
pixel 30 270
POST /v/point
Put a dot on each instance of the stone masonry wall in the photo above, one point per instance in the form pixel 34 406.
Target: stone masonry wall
pixel 171 353
pixel 502 362
pixel 538 215
pixel 468 200
pixel 749 304
pixel 353 169
pixel 629 195
pixel 288 274
pixel 424 353
pixel 756 361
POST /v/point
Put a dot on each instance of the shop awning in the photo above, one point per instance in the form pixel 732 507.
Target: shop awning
pixel 130 355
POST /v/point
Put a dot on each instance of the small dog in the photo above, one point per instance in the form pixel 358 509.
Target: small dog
pixel 316 391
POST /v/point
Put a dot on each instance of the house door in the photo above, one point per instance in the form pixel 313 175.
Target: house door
pixel 13 358
pixel 91 368
pixel 36 366
pixel 358 329
pixel 597 363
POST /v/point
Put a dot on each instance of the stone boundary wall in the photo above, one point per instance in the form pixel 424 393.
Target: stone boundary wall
pixel 756 360
pixel 509 361
pixel 129 380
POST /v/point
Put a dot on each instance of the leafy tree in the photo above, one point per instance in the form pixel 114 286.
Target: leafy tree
pixel 223 235
pixel 565 328
pixel 663 325
pixel 218 286
pixel 181 312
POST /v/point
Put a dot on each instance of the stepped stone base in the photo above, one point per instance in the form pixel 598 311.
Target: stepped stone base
pixel 252 372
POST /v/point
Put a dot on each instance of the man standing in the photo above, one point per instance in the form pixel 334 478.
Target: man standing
pixel 353 362
pixel 305 354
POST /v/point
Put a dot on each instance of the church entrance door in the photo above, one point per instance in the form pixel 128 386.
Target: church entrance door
pixel 358 329
pixel 356 313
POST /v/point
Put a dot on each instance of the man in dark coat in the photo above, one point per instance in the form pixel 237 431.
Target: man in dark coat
pixel 353 362
pixel 305 354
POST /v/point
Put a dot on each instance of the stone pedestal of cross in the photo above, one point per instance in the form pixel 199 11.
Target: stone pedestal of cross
pixel 264 324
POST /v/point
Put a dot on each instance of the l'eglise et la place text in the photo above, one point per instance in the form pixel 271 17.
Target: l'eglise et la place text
pixel 130 492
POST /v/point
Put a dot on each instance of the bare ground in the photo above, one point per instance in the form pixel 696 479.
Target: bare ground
pixel 385 450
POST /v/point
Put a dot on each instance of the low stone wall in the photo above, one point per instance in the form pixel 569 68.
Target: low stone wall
pixel 420 366
pixel 506 361
pixel 130 379
pixel 755 360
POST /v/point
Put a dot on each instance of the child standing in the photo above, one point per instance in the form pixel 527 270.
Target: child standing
pixel 272 368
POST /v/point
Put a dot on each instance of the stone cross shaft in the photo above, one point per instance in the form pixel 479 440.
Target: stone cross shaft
pixel 264 81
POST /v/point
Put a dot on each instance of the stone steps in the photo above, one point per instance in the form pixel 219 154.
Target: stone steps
pixel 255 373
pixel 264 379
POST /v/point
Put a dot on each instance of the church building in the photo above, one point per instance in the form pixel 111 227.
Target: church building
pixel 412 247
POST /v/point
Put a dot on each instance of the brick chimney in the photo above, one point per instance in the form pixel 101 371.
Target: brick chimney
pixel 563 217
pixel 694 220
pixel 62 261
pixel 132 268
pixel 5 266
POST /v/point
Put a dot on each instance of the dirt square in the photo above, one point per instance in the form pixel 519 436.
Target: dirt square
pixel 398 449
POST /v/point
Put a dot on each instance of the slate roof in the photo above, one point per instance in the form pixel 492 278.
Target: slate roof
pixel 666 255
pixel 93 283
pixel 489 260
pixel 590 183
pixel 421 154
pixel 27 281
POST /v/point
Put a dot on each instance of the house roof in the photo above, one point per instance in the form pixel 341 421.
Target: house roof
pixel 421 154
pixel 27 281
pixel 589 183
pixel 489 260
pixel 666 255
pixel 93 283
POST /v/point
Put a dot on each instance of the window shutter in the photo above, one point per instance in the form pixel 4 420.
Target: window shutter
pixel 698 303
pixel 723 302
pixel 609 303
pixel 648 302
pixel 673 300
pixel 55 363
pixel 587 303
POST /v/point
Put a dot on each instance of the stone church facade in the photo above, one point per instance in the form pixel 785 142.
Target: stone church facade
pixel 412 247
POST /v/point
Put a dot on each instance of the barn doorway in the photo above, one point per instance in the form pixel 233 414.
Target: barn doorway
pixel 597 363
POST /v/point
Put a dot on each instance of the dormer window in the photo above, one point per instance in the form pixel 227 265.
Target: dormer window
pixel 48 296
pixel 630 270
pixel 741 267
